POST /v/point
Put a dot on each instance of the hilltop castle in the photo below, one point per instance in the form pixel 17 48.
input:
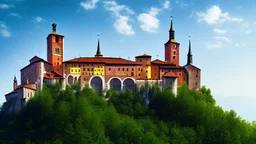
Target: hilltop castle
pixel 102 73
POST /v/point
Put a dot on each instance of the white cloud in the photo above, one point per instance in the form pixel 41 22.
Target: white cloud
pixel 89 4
pixel 214 45
pixel 214 15
pixel 2 25
pixel 148 21
pixel 223 39
pixel 122 26
pixel 39 19
pixel 219 31
pixel 5 33
pixel 181 3
pixel 112 6
pixel 5 6
pixel 166 5
pixel 15 15
pixel 3 30
pixel 121 23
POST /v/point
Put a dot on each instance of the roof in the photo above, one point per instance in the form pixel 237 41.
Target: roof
pixel 52 75
pixel 169 74
pixel 192 66
pixel 159 62
pixel 173 41
pixel 39 60
pixel 103 60
pixel 144 55
pixel 31 86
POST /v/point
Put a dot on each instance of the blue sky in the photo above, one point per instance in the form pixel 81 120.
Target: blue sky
pixel 222 35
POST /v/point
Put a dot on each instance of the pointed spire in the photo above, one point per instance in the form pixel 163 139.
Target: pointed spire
pixel 171 32
pixel 98 53
pixel 189 60
pixel 15 84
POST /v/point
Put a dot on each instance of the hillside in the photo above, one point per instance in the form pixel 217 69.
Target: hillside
pixel 62 117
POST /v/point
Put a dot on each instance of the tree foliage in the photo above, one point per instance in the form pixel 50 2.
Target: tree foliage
pixel 77 116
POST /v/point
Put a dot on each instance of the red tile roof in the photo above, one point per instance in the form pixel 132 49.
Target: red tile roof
pixel 144 55
pixel 169 74
pixel 103 60
pixel 52 75
pixel 157 61
pixel 28 86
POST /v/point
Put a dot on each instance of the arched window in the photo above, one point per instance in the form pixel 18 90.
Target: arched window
pixel 57 50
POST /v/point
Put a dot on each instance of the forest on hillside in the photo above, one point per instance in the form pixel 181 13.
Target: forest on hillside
pixel 55 116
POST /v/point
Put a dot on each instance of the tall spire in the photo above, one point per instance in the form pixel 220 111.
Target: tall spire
pixel 98 53
pixel 171 32
pixel 189 60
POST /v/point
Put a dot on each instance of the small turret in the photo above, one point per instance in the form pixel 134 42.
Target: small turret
pixel 54 25
pixel 15 84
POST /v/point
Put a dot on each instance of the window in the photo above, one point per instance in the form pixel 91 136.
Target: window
pixel 92 69
pixel 146 59
pixel 155 74
pixel 123 69
pixel 127 69
pixel 139 74
pixel 118 69
pixel 88 69
pixel 84 79
pixel 139 69
pixel 58 59
pixel 98 66
pixel 146 77
pixel 146 71
pixel 174 52
pixel 83 69
pixel 196 76
pixel 57 50
pixel 109 69
pixel 132 74
pixel 79 70
pixel 140 60
pixel 173 57
pixel 57 63
pixel 48 50
pixel 56 39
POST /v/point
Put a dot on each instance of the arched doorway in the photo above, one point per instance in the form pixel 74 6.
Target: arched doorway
pixel 115 84
pixel 129 83
pixel 96 83
pixel 70 80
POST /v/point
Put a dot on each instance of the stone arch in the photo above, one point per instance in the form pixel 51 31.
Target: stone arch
pixel 129 83
pixel 70 80
pixel 97 83
pixel 115 83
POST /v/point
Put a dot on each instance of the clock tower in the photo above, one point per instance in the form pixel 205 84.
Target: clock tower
pixel 172 48
pixel 55 50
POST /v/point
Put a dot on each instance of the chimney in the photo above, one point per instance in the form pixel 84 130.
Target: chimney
pixel 15 83
pixel 27 82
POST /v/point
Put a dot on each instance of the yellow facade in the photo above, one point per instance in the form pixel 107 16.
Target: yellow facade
pixel 149 72
pixel 75 70
pixel 99 70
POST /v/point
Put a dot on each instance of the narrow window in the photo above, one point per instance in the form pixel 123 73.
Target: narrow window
pixel 109 69
pixel 174 52
pixel 127 69
pixel 123 69
pixel 132 69
pixel 57 39
pixel 118 69
pixel 173 57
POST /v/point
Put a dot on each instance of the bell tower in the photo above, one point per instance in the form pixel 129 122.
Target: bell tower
pixel 55 50
pixel 172 48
